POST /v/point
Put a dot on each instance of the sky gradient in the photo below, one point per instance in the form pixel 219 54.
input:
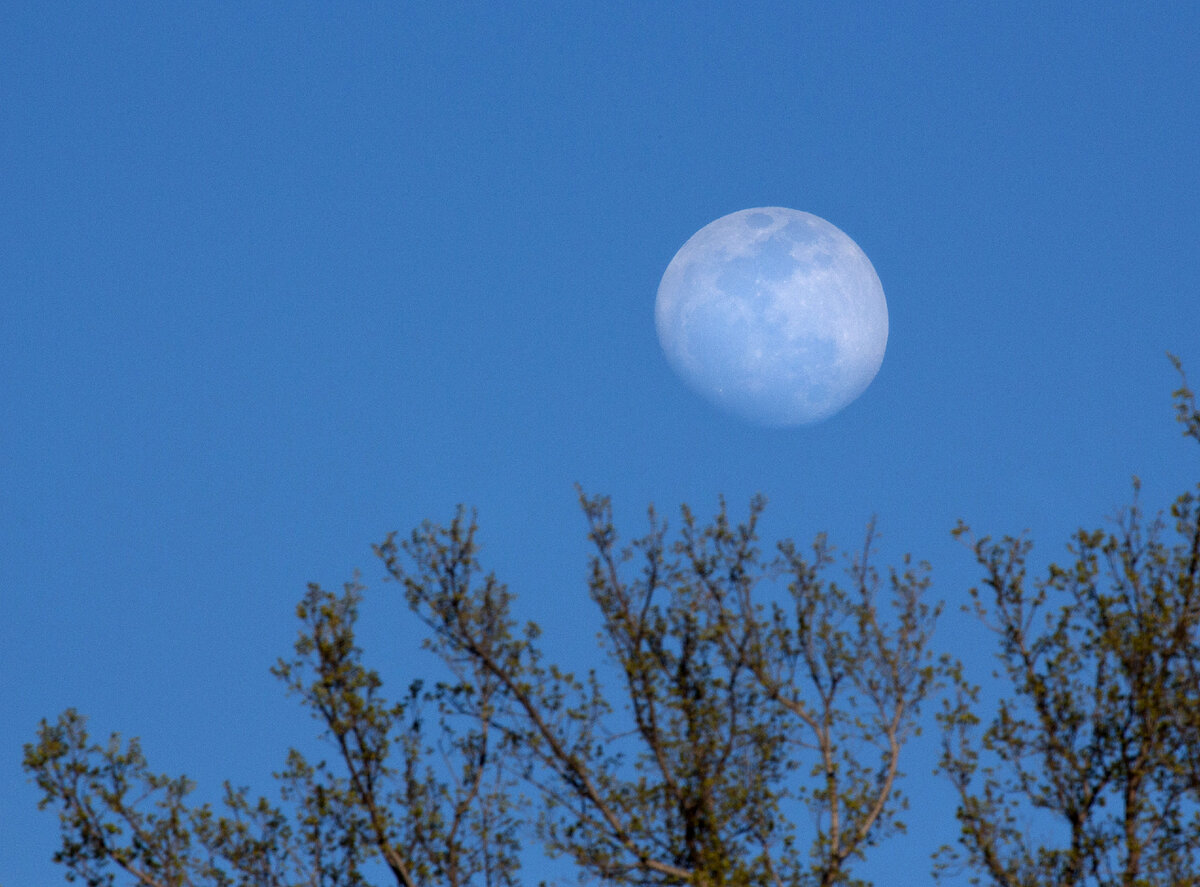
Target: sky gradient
pixel 281 278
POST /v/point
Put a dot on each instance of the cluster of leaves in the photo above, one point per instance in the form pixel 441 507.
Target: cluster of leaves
pixel 733 708
pixel 116 812
pixel 382 801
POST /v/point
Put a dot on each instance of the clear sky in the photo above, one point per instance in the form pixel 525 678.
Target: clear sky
pixel 278 278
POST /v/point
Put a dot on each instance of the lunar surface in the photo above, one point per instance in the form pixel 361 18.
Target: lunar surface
pixel 774 315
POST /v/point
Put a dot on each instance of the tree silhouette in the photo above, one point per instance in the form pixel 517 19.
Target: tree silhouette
pixel 746 726
pixel 746 688
pixel 1100 730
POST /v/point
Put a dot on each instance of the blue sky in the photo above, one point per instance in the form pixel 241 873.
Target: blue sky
pixel 280 278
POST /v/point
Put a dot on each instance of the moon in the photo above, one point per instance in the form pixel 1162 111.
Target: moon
pixel 774 315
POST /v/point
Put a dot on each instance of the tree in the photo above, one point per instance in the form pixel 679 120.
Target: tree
pixel 382 800
pixel 743 690
pixel 1098 738
pixel 727 697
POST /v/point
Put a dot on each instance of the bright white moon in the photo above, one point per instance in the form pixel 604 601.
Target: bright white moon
pixel 773 314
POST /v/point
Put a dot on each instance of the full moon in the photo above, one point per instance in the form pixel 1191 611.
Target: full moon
pixel 774 315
